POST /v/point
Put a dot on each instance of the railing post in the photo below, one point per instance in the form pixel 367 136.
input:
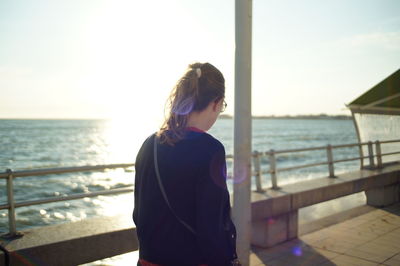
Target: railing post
pixel 378 153
pixel 360 148
pixel 272 167
pixel 257 170
pixel 11 209
pixel 330 160
pixel 371 154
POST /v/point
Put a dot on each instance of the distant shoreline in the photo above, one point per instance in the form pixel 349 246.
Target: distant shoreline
pixel 320 116
pixel 223 116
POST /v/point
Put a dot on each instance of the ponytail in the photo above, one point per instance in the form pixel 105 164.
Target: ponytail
pixel 201 84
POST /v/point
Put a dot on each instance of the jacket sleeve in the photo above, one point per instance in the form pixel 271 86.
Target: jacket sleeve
pixel 140 157
pixel 136 188
pixel 211 197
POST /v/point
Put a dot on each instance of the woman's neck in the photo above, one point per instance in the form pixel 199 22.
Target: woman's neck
pixel 195 129
pixel 197 120
pixel 205 119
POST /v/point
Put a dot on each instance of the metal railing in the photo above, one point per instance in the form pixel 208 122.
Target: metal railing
pixel 11 205
pixel 9 175
pixel 273 170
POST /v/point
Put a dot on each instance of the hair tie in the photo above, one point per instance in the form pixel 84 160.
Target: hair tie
pixel 198 72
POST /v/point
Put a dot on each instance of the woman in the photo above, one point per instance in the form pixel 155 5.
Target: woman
pixel 182 209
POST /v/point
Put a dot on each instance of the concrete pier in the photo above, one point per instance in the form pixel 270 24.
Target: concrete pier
pixel 372 238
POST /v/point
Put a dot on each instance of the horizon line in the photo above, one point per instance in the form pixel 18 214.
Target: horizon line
pixel 221 116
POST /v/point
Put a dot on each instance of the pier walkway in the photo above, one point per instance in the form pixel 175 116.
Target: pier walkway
pixel 372 238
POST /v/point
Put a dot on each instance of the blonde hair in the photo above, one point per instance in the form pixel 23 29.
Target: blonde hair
pixel 200 85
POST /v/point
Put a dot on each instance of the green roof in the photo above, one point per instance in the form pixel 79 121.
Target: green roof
pixel 383 98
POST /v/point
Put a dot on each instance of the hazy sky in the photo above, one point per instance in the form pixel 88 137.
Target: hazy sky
pixel 93 59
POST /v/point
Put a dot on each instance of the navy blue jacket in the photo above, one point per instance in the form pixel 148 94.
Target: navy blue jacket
pixel 193 173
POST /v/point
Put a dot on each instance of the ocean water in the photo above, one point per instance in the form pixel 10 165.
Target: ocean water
pixel 31 144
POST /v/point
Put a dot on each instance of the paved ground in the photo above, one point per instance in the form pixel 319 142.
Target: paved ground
pixel 372 238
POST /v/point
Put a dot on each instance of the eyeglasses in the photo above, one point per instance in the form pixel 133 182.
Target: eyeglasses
pixel 224 105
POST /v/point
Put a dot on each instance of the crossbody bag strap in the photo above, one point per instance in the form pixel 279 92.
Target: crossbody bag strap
pixel 162 188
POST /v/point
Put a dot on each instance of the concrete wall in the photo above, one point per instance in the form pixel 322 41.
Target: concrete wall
pixel 72 243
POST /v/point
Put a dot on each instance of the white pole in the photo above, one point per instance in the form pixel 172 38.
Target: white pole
pixel 242 129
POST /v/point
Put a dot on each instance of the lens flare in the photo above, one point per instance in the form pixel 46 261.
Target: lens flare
pixel 183 107
pixel 297 251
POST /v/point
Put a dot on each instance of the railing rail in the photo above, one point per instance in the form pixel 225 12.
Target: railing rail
pixel 69 197
pixel 62 170
pixel 273 170
pixel 9 175
pixel 272 155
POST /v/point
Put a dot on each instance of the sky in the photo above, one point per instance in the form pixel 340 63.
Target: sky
pixel 120 59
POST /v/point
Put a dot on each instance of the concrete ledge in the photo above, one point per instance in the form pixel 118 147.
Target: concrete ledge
pixel 278 202
pixel 274 212
pixel 309 192
pixel 72 243
pixel 328 190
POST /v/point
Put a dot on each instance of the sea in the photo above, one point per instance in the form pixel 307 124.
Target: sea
pixel 33 144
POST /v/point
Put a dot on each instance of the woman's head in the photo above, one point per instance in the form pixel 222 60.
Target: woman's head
pixel 201 85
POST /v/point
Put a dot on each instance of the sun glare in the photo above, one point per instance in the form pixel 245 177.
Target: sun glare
pixel 130 75
pixel 135 58
pixel 125 135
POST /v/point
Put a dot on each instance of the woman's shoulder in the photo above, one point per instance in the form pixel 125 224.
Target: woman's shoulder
pixel 148 140
pixel 146 144
pixel 210 144
pixel 213 141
